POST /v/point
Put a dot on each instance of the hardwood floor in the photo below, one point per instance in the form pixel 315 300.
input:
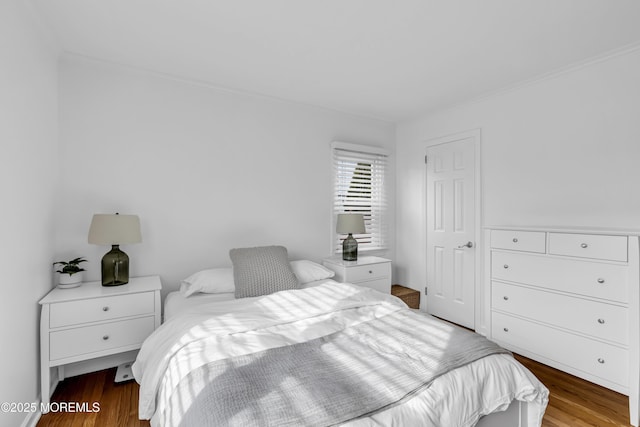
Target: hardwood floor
pixel 576 402
pixel 118 402
pixel 573 402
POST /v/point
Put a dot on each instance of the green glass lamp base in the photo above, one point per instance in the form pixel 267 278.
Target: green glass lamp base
pixel 115 267
pixel 350 248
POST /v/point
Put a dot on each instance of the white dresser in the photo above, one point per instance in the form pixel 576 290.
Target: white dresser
pixel 569 299
pixel 371 271
pixel 93 321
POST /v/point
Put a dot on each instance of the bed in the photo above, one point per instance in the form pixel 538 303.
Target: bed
pixel 324 353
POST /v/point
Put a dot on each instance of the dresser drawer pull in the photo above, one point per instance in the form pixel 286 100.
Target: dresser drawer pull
pixel 506 266
pixel 105 337
pixel 506 298
pixel 105 308
pixel 584 246
pixel 370 272
pixel 505 329
pixel 601 321
pixel 515 240
pixel 601 280
pixel 600 360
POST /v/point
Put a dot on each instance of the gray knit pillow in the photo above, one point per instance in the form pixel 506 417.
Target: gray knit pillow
pixel 261 271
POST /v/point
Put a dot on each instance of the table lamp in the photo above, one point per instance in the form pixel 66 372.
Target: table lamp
pixel 115 230
pixel 349 224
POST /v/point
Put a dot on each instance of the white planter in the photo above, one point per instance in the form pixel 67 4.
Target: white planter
pixel 69 280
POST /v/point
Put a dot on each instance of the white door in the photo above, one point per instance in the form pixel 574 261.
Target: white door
pixel 451 230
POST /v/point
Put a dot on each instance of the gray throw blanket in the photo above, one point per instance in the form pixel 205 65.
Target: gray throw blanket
pixel 330 380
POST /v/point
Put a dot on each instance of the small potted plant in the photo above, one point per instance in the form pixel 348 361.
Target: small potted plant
pixel 70 272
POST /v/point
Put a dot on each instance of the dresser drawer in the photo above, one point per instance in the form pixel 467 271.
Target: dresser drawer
pixel 529 241
pixel 367 272
pixel 98 309
pixel 605 321
pixel 594 246
pixel 601 360
pixel 99 338
pixel 599 280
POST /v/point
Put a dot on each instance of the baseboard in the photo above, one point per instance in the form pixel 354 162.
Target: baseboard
pixel 32 418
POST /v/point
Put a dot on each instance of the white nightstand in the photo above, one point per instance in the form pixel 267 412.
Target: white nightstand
pixel 371 271
pixel 93 321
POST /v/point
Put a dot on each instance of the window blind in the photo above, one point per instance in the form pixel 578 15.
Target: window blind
pixel 359 187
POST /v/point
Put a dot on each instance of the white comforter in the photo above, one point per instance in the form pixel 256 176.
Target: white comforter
pixel 226 329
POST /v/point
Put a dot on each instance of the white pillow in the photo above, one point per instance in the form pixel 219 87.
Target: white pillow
pixel 213 281
pixel 308 271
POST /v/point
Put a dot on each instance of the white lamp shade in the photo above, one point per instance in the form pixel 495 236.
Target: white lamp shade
pixel 114 229
pixel 350 223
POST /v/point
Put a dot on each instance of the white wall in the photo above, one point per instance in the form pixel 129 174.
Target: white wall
pixel 206 170
pixel 562 151
pixel 28 137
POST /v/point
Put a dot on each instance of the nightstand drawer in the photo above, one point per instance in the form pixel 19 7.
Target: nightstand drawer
pixel 95 310
pixel 369 272
pixel 380 285
pixel 99 338
pixel 595 246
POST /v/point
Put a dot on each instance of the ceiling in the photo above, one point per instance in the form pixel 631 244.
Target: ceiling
pixel 386 59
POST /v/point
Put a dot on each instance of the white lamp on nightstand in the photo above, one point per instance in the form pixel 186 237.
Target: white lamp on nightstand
pixel 115 230
pixel 349 224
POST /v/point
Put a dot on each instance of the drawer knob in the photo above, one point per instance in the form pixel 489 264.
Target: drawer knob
pixel 600 360
pixel 505 329
pixel 506 266
pixel 370 272
pixel 515 240
pixel 506 298
pixel 601 321
pixel 105 308
pixel 584 246
pixel 601 280
pixel 105 337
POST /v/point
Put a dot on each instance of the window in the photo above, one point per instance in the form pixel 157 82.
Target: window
pixel 359 187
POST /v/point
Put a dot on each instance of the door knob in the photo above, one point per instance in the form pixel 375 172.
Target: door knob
pixel 467 245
